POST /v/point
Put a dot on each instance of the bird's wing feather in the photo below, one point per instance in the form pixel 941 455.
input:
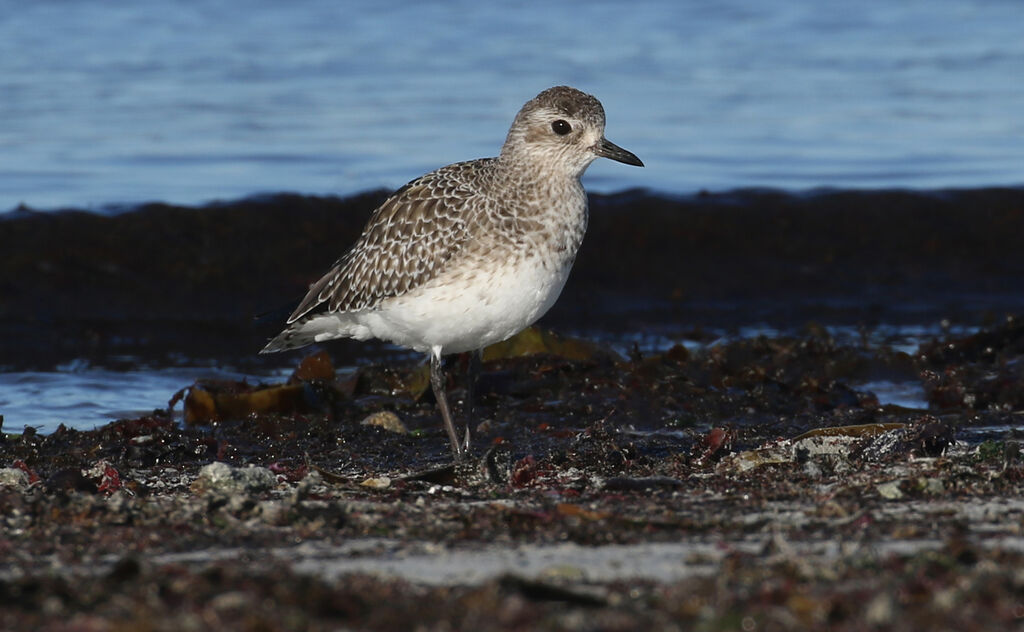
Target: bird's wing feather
pixel 407 242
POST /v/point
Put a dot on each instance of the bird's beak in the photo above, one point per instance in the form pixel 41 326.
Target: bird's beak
pixel 607 149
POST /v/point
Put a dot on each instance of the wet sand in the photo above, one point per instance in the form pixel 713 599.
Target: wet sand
pixel 752 482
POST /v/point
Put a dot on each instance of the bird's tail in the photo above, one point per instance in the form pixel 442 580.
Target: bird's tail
pixel 306 331
pixel 287 339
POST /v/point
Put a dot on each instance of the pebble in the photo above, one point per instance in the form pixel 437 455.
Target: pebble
pixel 13 477
pixel 223 478
pixel 386 420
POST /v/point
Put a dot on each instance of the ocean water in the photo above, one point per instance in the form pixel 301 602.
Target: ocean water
pixel 112 103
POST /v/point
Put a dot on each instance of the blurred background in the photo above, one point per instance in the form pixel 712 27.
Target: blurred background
pixel 187 101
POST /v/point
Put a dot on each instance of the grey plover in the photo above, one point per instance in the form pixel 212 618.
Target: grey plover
pixel 470 254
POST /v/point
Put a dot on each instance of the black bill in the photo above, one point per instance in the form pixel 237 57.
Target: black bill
pixel 607 149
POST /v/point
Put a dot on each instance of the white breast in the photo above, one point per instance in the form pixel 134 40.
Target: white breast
pixel 468 308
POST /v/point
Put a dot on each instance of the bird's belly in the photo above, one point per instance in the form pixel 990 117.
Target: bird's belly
pixel 470 308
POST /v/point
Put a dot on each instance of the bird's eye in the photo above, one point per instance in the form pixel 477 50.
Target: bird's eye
pixel 561 127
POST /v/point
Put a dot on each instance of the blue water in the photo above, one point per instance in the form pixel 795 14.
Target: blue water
pixel 186 101
pixel 84 397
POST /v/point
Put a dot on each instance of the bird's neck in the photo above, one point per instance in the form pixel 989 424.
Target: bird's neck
pixel 523 173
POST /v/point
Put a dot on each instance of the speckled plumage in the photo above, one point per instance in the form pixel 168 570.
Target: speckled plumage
pixel 472 253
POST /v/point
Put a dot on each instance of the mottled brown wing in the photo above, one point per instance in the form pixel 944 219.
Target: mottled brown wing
pixel 407 241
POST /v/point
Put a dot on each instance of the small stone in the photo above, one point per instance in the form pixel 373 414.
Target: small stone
pixel 387 420
pixel 13 477
pixel 486 427
pixel 221 477
pixel 274 512
pixel 946 600
pixel 880 610
pixel 933 486
pixel 890 490
pixel 382 482
pixel 236 601
pixel 305 487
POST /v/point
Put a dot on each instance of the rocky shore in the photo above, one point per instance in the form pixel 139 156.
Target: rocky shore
pixel 743 483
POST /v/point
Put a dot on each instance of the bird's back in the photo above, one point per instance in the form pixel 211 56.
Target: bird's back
pixel 408 240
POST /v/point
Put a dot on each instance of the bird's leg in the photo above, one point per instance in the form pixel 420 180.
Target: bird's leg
pixel 437 382
pixel 473 374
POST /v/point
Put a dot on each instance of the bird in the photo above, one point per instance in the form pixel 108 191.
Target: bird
pixel 469 254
